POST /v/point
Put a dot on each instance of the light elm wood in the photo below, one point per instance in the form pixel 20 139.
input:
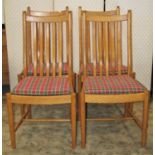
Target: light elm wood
pixel 128 99
pixel 46 29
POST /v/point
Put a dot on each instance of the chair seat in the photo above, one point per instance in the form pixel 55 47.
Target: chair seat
pixel 64 69
pixel 43 86
pixel 124 69
pixel 122 84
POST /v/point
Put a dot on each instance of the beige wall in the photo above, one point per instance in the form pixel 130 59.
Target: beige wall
pixel 142 31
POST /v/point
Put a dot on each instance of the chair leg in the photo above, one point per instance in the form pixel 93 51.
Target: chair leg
pixel 79 90
pixel 145 119
pixel 22 109
pixel 74 82
pixel 11 120
pixel 126 108
pixel 83 121
pixel 73 119
pixel 29 114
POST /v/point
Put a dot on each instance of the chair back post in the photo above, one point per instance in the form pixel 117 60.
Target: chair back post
pixel 84 44
pixel 70 46
pixel 80 37
pixel 24 44
pixel 129 42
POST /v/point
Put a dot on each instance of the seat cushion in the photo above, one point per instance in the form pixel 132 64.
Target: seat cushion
pixel 124 69
pixel 123 84
pixel 64 69
pixel 42 86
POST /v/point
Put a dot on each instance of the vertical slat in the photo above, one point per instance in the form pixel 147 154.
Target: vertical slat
pixel 103 44
pixel 67 40
pixel 111 46
pixel 24 44
pixel 38 41
pixel 47 48
pixel 84 44
pixel 100 47
pixel 80 38
pixel 35 48
pixel 129 42
pixel 70 45
pixel 106 48
pixel 116 49
pixel 29 53
pixel 41 48
pixel 88 42
pixel 60 48
pixel 54 44
pixel 119 47
pixel 94 47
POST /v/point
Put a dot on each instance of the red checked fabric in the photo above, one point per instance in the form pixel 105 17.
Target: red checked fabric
pixel 42 86
pixel 123 84
pixel 64 69
pixel 124 69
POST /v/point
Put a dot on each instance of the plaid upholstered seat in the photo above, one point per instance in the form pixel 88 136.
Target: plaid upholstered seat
pixel 64 69
pixel 124 69
pixel 42 86
pixel 112 85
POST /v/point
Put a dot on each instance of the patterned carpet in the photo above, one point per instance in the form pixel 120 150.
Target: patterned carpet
pixel 103 138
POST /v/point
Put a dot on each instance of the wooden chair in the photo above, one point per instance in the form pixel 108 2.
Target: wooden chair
pixel 111 54
pixel 43 37
pixel 110 88
pixel 30 65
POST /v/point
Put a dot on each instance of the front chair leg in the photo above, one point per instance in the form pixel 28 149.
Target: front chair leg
pixel 73 119
pixel 83 121
pixel 11 120
pixel 79 98
pixel 145 119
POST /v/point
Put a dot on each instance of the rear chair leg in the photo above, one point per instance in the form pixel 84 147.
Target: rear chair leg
pixel 11 120
pixel 79 90
pixel 29 114
pixel 83 121
pixel 22 109
pixel 126 108
pixel 145 119
pixel 73 119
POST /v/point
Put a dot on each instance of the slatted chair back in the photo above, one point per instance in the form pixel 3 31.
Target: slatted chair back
pixel 100 43
pixel 98 28
pixel 43 35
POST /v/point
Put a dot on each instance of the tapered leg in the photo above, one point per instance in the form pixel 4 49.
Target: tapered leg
pixel 11 121
pixel 145 119
pixel 22 109
pixel 83 121
pixel 79 90
pixel 73 119
pixel 130 108
pixel 74 82
pixel 29 109
pixel 126 108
